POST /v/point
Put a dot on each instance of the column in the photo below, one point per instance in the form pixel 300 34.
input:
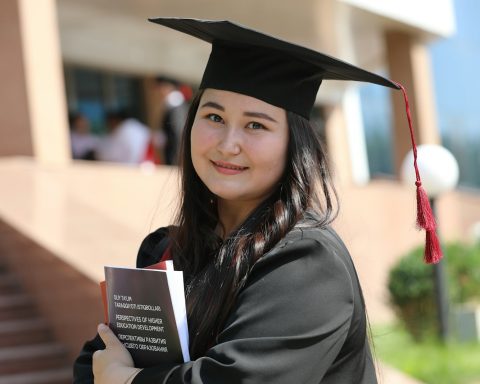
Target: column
pixel 409 64
pixel 338 144
pixel 14 113
pixel 34 101
pixel 356 136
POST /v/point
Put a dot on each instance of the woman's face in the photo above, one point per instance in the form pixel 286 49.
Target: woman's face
pixel 239 146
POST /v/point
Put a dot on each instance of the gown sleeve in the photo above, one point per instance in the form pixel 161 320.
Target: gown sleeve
pixel 288 325
pixel 149 253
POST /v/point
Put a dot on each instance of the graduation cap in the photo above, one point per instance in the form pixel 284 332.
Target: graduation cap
pixel 255 64
pixel 288 76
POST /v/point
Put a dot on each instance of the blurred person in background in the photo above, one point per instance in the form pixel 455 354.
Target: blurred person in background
pixel 84 144
pixel 174 96
pixel 127 140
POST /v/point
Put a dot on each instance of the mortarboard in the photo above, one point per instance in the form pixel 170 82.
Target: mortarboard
pixel 281 73
pixel 286 75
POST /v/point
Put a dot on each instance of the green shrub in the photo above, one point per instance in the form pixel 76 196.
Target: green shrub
pixel 411 286
pixel 412 294
pixel 464 272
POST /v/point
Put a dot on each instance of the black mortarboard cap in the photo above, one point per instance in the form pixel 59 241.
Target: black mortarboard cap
pixel 258 65
pixel 288 76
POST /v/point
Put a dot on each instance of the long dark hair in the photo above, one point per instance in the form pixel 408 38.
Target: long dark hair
pixel 215 271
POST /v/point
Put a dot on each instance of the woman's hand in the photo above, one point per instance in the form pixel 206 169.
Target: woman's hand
pixel 114 364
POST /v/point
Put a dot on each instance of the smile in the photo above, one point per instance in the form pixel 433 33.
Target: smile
pixel 228 168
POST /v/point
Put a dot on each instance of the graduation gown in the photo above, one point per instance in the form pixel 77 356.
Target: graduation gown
pixel 299 319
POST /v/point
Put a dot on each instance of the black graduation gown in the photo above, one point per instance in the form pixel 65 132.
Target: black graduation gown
pixel 299 319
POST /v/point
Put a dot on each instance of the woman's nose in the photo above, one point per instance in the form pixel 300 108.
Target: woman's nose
pixel 230 141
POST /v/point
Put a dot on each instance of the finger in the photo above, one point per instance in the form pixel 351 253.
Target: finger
pixel 108 336
pixel 96 355
pixel 98 362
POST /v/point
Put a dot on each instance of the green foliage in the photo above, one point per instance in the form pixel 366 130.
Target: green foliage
pixel 412 290
pixel 410 279
pixel 464 272
pixel 428 361
pixel 412 293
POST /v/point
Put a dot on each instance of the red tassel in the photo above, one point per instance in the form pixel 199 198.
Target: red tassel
pixel 425 217
pixel 433 251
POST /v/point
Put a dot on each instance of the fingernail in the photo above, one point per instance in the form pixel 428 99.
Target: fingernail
pixel 102 327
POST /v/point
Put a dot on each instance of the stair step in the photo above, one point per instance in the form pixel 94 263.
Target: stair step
pixel 9 283
pixel 29 358
pixel 53 376
pixel 14 300
pixel 16 306
pixel 30 352
pixel 24 332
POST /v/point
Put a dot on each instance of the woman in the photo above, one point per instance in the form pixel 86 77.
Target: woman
pixel 272 293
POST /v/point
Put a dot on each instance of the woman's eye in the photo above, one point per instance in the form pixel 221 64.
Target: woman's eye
pixel 255 125
pixel 214 117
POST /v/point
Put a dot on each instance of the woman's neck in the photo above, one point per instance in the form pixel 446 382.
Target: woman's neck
pixel 231 215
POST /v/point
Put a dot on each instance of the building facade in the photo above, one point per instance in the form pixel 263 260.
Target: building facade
pixel 57 54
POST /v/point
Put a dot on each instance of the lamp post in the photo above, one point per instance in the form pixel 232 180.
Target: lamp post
pixel 440 172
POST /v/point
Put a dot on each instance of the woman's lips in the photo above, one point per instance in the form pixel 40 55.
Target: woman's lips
pixel 228 168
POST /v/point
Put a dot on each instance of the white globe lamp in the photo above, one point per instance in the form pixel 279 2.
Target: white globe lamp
pixel 438 169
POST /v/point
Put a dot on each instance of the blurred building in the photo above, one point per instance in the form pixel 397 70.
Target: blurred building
pixel 77 216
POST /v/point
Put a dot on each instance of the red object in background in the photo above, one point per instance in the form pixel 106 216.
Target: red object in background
pixel 186 91
pixel 151 154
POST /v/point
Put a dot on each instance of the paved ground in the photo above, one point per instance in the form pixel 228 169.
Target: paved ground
pixel 389 375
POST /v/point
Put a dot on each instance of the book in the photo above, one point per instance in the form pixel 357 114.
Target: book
pixel 146 309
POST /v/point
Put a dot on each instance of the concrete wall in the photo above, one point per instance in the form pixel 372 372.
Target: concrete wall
pixel 377 222
pixel 91 215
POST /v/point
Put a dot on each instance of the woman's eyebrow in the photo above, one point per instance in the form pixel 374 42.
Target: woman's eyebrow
pixel 212 104
pixel 260 115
